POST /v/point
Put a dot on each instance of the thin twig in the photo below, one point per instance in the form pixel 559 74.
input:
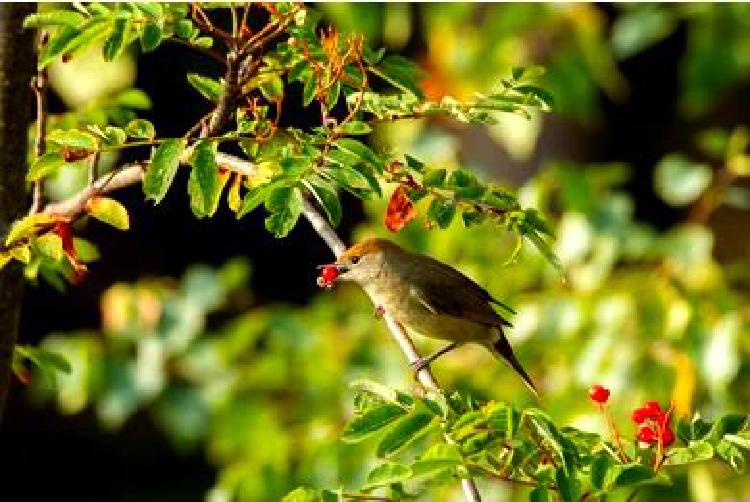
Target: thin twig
pixel 39 86
pixel 367 496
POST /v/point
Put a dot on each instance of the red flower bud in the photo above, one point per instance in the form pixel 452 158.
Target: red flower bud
pixel 599 393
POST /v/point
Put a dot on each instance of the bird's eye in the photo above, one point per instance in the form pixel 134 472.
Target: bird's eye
pixel 355 260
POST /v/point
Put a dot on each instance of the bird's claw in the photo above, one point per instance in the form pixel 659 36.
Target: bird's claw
pixel 418 365
pixel 379 312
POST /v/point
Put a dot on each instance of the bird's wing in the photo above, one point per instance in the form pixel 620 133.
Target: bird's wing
pixel 432 290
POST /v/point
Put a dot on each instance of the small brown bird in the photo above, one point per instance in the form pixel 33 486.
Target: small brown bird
pixel 427 297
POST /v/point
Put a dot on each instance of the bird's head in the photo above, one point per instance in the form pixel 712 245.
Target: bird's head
pixel 365 261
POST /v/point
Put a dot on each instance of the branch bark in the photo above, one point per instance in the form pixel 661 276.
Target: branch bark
pixel 17 61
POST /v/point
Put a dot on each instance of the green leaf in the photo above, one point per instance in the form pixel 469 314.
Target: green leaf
pixel 731 423
pixel 285 205
pixel 152 10
pixel 70 40
pixel 354 127
pixel 528 72
pixel 297 71
pixel 162 169
pixel 332 96
pixel 731 454
pixel 328 199
pixel 50 246
pixel 387 474
pixel 375 389
pixel 542 426
pixel 114 136
pixel 679 181
pixel 254 198
pixel 438 459
pixel 434 178
pixel 633 475
pixel 115 43
pixel 543 97
pixel 204 177
pixel 406 430
pixel 43 359
pixel 567 486
pixel 21 253
pixel 45 165
pixel 309 87
pixel 69 18
pixel 400 72
pixel 697 451
pixel 301 495
pixel 272 88
pixel 73 138
pixel 361 151
pixel 442 212
pixel 599 469
pixel 370 422
pixel 133 98
pixel 185 29
pixel 742 439
pixel 202 42
pixel 462 178
pixel 539 494
pixel 109 211
pixel 27 226
pixel 140 129
pixel 151 36
pixel 543 248
pixel 210 89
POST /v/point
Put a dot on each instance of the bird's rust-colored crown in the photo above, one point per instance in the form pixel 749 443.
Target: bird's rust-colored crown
pixel 365 247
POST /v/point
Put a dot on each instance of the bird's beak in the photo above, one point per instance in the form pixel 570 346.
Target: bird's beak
pixel 341 268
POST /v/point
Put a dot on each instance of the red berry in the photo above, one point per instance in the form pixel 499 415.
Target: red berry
pixel 327 276
pixel 599 394
pixel 653 407
pixel 646 435
pixel 667 437
pixel 639 415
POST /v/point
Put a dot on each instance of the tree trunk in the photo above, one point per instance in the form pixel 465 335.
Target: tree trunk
pixel 17 61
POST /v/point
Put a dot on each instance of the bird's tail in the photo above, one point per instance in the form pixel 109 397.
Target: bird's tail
pixel 502 348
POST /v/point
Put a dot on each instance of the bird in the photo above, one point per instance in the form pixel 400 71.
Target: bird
pixel 427 297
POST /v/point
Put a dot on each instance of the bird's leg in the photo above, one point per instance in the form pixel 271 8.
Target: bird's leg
pixel 379 312
pixel 423 362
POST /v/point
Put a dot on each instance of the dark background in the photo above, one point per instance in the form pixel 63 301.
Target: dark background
pixel 48 454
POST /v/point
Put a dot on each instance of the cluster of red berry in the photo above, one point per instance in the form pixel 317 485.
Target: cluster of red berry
pixel 653 425
pixel 653 422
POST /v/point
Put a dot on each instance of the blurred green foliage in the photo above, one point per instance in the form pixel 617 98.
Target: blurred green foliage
pixel 651 313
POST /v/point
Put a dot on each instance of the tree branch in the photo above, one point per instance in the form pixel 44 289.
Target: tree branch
pixel 17 63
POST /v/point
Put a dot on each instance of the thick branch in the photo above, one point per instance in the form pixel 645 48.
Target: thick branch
pixel 16 69
pixel 123 177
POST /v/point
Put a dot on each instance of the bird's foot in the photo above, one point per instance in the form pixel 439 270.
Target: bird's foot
pixel 419 364
pixel 379 312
